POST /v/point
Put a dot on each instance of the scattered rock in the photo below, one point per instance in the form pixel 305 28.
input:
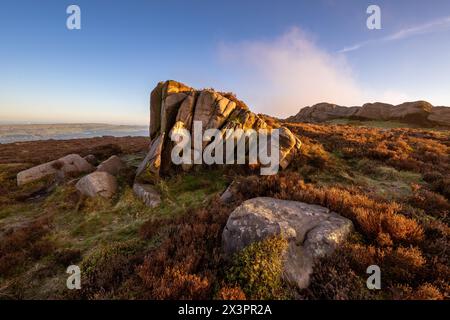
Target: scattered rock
pixel 91 159
pixel 98 183
pixel 312 232
pixel 69 165
pixel 229 194
pixel 148 194
pixel 112 165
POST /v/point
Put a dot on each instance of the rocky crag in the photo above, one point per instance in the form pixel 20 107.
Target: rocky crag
pixel 419 113
pixel 175 106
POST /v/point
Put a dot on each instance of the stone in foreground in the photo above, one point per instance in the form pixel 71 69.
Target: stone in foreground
pixel 97 184
pixel 312 232
pixel 112 165
pixel 148 194
pixel 70 164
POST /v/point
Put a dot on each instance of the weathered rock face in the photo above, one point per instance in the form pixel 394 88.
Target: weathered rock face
pixel 175 106
pixel 440 115
pixel 98 183
pixel 418 112
pixel 323 112
pixel 112 165
pixel 312 232
pixel 414 112
pixel 152 161
pixel 70 164
pixel 375 111
pixel 157 109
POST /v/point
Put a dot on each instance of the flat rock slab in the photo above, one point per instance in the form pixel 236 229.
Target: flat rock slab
pixel 98 183
pixel 147 194
pixel 70 164
pixel 312 232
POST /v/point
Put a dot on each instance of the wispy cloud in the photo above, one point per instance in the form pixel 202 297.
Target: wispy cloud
pixel 429 27
pixel 281 75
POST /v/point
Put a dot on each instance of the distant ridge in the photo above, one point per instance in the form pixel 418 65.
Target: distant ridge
pixel 417 112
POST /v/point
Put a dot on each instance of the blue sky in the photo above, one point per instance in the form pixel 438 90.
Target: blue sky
pixel 278 56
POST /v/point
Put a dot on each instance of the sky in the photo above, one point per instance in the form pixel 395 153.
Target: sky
pixel 277 56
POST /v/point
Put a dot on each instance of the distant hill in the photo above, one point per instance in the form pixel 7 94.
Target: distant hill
pixel 30 132
pixel 419 113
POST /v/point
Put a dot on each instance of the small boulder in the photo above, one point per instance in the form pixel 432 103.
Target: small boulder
pixel 98 183
pixel 148 194
pixel 68 165
pixel 312 232
pixel 91 159
pixel 229 195
pixel 112 165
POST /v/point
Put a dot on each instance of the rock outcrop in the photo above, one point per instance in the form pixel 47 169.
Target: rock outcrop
pixel 98 183
pixel 374 111
pixel 71 164
pixel 175 106
pixel 312 232
pixel 418 112
pixel 440 115
pixel 324 112
pixel 414 112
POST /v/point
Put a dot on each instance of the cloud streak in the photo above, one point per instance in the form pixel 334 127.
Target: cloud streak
pixel 430 27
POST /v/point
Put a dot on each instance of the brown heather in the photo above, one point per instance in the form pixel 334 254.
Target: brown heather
pixel 394 184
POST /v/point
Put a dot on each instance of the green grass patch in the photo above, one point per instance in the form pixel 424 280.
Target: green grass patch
pixel 257 269
pixel 189 190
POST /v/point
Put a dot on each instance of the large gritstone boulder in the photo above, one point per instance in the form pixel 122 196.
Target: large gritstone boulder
pixel 175 108
pixel 312 232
